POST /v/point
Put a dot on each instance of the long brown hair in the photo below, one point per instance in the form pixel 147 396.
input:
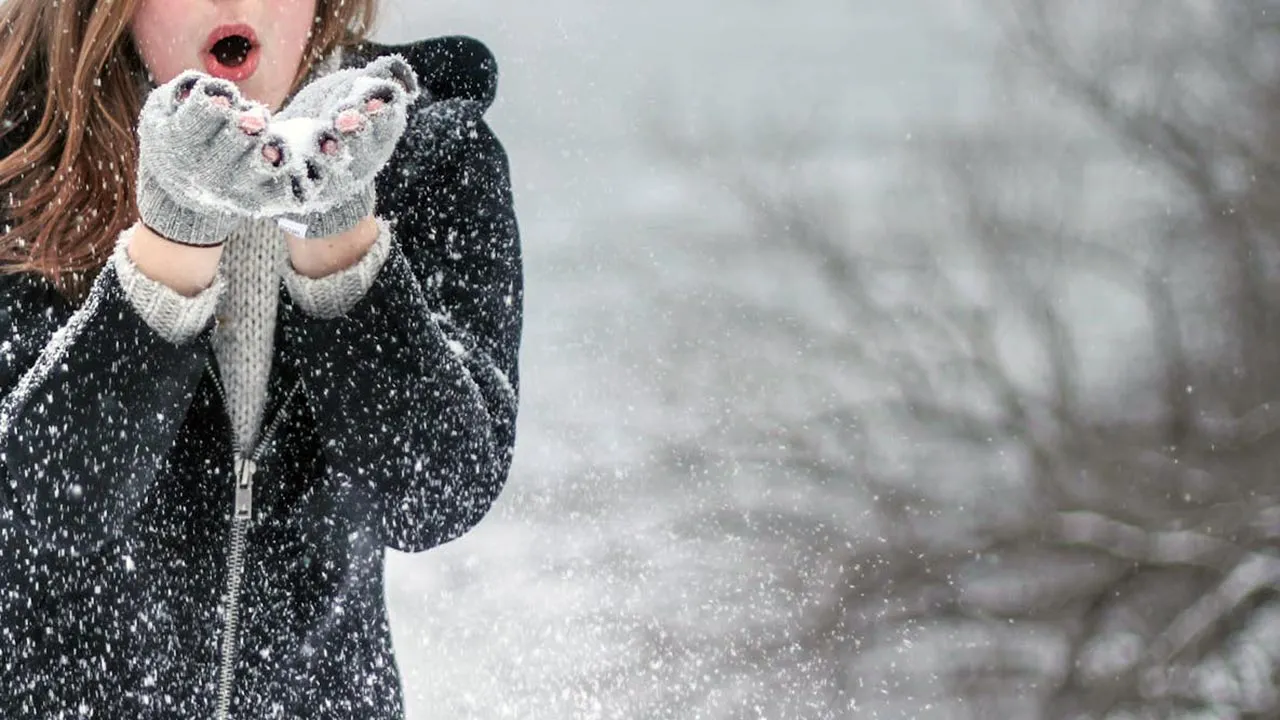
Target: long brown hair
pixel 70 90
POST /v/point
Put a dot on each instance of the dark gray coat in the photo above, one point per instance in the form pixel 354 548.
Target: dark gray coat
pixel 392 426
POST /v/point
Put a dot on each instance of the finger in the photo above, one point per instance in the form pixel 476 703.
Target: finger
pixel 374 100
pixel 274 152
pixel 350 121
pixel 252 122
pixel 395 68
pixel 207 108
pixel 381 96
pixel 183 84
pixel 222 94
pixel 329 144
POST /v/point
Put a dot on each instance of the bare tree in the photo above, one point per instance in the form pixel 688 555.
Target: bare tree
pixel 1052 535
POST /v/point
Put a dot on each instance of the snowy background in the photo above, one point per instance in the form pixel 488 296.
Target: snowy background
pixel 912 359
pixel 563 603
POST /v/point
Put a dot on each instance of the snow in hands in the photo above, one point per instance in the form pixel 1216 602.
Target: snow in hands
pixel 350 122
pixel 346 126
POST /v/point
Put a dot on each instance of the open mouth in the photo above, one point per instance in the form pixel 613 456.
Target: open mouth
pixel 231 52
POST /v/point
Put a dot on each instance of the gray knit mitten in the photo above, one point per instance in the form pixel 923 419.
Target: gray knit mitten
pixel 338 133
pixel 205 162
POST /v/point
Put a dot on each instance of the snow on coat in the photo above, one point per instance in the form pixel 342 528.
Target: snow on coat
pixel 394 426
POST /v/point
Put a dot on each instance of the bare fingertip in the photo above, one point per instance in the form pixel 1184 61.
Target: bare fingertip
pixel 273 153
pixel 183 89
pixel 349 121
pixel 329 145
pixel 252 124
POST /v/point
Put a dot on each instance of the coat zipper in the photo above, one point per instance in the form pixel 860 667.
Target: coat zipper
pixel 245 468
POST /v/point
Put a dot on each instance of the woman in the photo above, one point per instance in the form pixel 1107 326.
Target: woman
pixel 260 319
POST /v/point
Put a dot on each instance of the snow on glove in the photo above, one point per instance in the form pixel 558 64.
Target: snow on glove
pixel 205 162
pixel 338 132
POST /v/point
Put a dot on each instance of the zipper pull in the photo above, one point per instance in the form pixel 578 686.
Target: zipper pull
pixel 245 468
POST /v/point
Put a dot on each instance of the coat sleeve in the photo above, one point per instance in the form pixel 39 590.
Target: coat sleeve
pixel 415 388
pixel 91 401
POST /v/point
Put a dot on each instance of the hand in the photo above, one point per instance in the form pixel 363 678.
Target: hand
pixel 205 162
pixel 337 133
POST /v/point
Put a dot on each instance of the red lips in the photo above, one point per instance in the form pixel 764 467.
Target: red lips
pixel 231 52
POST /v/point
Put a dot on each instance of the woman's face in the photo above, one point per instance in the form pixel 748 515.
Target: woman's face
pixel 257 44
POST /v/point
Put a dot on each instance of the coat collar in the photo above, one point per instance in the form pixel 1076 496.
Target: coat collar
pixel 450 67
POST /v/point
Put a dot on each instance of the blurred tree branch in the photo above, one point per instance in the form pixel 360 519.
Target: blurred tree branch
pixel 1112 545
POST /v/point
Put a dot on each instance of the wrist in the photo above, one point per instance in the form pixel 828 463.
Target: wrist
pixel 320 256
pixel 187 269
